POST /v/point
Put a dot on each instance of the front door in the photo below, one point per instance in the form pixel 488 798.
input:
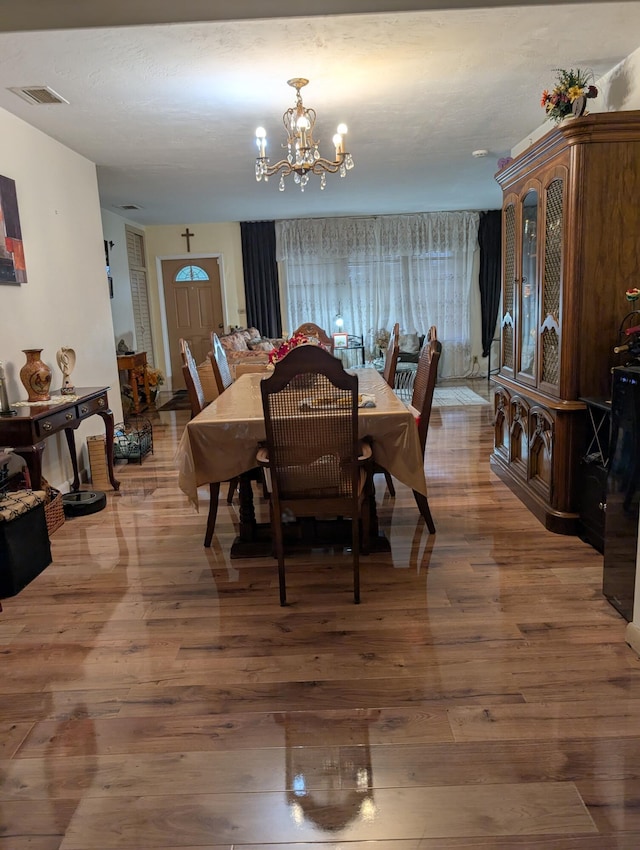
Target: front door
pixel 193 303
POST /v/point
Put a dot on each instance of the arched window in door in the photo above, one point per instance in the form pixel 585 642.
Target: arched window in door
pixel 189 272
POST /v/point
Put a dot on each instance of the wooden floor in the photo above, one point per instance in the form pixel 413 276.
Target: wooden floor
pixel 153 694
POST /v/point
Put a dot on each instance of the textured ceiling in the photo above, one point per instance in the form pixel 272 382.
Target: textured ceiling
pixel 168 111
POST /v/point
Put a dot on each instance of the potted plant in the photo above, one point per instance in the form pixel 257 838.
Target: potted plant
pixel 155 379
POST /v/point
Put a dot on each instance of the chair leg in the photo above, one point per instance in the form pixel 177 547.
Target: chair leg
pixel 214 492
pixel 365 514
pixel 278 540
pixel 389 480
pixel 423 507
pixel 233 486
pixel 355 550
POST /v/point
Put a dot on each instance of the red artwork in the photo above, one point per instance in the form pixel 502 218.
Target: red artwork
pixel 12 264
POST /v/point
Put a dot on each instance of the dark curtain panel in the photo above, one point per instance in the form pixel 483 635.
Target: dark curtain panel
pixel 261 277
pixel 490 241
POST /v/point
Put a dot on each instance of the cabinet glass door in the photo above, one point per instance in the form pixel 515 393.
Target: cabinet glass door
pixel 528 313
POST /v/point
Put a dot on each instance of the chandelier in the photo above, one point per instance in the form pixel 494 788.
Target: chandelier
pixel 303 156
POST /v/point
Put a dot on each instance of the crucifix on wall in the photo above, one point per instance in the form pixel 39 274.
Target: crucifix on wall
pixel 187 235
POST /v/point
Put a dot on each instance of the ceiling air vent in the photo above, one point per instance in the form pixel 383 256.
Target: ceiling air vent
pixel 38 95
pixel 129 207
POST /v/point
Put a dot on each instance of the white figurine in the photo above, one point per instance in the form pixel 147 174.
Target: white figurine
pixel 66 359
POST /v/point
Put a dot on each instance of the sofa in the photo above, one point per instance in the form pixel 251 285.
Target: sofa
pixel 241 346
pixel 410 345
pixel 247 345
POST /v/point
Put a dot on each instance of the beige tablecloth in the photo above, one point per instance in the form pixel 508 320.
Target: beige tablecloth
pixel 221 441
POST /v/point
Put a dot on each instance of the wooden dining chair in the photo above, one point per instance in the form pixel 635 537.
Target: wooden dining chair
pixel 389 374
pixel 422 401
pixel 391 357
pixel 315 462
pixel 425 383
pixel 313 330
pixel 220 364
pixel 198 403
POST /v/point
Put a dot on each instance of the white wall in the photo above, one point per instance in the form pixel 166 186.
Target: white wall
pixel 113 227
pixel 66 299
pixel 618 90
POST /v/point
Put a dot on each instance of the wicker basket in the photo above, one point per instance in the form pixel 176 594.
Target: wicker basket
pixel 54 510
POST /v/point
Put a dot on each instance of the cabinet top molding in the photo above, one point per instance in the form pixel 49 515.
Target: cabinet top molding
pixel 597 127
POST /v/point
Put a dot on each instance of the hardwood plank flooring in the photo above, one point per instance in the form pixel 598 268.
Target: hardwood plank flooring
pixel 154 695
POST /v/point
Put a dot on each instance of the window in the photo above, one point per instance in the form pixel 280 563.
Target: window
pixel 413 269
pixel 188 273
pixel 139 292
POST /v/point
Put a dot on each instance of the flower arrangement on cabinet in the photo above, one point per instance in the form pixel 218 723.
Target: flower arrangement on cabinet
pixel 293 342
pixel 568 96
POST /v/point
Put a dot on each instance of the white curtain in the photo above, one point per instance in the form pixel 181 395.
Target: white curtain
pixel 413 269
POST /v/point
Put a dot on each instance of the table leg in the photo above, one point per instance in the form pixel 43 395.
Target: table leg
pixel 107 418
pixel 134 390
pixel 247 509
pixel 147 393
pixel 71 442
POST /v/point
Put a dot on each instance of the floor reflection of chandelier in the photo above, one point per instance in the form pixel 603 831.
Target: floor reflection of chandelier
pixel 303 157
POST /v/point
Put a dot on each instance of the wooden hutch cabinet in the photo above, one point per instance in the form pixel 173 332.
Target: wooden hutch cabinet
pixel 571 247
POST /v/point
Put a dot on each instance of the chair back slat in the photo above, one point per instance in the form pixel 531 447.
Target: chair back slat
pixel 391 357
pixel 220 364
pixel 191 379
pixel 424 385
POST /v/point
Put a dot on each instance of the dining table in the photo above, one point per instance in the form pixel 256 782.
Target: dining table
pixel 221 443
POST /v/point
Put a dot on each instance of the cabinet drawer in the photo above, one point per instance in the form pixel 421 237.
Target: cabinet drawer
pixel 91 406
pixel 50 424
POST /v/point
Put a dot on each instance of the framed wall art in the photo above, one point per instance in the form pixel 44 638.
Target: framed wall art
pixel 340 340
pixel 12 264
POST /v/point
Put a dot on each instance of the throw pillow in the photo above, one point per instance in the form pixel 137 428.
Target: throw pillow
pixel 260 345
pixel 409 343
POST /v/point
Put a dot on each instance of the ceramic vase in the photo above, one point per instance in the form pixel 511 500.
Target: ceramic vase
pixel 35 376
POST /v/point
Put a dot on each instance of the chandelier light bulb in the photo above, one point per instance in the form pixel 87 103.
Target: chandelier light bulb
pixel 303 157
pixel 261 141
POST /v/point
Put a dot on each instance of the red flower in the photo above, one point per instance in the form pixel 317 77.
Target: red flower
pixel 293 342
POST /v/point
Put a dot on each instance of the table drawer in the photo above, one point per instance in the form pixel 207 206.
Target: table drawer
pixel 93 405
pixel 55 422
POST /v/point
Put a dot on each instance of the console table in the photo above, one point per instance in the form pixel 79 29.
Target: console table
pixel 29 428
pixel 129 363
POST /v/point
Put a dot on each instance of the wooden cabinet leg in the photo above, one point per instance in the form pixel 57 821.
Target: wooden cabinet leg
pixel 71 442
